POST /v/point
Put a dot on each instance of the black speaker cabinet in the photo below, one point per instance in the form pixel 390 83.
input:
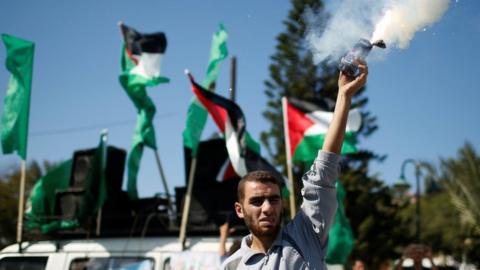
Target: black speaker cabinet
pixel 68 203
pixel 201 208
pixel 82 162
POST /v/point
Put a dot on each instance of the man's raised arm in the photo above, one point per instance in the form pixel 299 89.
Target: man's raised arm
pixel 319 195
pixel 347 87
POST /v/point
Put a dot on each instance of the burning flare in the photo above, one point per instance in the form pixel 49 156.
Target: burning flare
pixel 358 52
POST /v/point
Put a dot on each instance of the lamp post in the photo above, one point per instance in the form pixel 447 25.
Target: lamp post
pixel 403 185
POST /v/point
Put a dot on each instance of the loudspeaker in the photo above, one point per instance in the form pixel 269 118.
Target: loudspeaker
pixel 82 162
pixel 211 157
pixel 68 203
pixel 201 206
pixel 212 203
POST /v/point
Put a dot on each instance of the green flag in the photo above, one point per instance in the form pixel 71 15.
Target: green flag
pixel 340 236
pixel 43 197
pixel 96 182
pixel 197 115
pixel 16 106
pixel 41 203
pixel 141 58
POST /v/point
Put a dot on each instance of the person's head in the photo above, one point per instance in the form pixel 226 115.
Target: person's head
pixel 358 265
pixel 385 265
pixel 260 203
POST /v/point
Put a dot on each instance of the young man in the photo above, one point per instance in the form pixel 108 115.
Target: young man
pixel 302 244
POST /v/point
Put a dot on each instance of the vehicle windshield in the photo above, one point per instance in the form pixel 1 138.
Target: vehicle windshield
pixel 120 263
pixel 23 263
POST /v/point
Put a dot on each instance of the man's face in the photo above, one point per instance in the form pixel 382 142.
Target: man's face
pixel 261 209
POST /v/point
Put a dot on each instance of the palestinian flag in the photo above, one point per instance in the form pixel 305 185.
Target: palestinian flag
pixel 145 52
pixel 226 171
pixel 140 62
pixel 307 125
pixel 230 120
pixel 242 150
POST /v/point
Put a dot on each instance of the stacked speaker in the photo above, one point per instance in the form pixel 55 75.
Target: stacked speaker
pixel 68 201
pixel 214 193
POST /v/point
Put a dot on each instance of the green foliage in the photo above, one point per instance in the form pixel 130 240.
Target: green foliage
pixel 369 204
pixel 451 220
pixel 439 223
pixel 461 176
pixel 373 212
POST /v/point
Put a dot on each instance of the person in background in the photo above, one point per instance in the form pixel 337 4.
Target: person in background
pixel 358 265
pixel 225 231
pixel 385 265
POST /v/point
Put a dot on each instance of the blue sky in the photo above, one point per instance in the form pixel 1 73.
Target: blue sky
pixel 425 97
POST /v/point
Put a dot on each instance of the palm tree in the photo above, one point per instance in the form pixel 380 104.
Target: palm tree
pixel 461 177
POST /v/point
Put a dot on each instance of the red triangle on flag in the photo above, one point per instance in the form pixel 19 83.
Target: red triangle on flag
pixel 298 123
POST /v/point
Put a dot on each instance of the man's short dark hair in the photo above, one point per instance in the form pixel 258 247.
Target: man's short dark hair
pixel 256 176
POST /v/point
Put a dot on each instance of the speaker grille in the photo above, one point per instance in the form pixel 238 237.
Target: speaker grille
pixel 68 203
pixel 80 172
pixel 82 162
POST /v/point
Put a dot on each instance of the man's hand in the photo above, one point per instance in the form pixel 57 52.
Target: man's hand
pixel 348 86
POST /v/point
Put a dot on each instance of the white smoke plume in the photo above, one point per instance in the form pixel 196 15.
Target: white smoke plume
pixel 394 21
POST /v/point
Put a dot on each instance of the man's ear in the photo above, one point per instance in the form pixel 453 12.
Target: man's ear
pixel 239 210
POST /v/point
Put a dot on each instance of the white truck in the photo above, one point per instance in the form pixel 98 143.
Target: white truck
pixel 152 253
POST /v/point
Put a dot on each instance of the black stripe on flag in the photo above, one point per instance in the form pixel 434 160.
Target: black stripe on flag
pixel 255 162
pixel 233 110
pixel 137 42
pixel 307 106
pixel 252 160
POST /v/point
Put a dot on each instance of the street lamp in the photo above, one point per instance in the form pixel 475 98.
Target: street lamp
pixel 402 185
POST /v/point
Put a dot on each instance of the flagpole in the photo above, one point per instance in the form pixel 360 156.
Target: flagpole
pixel 191 179
pixel 21 203
pixel 188 195
pixel 187 202
pixel 104 151
pixel 293 209
pixel 233 77
pixel 164 181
